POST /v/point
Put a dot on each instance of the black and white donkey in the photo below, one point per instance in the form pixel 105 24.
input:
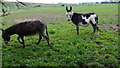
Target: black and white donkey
pixel 82 19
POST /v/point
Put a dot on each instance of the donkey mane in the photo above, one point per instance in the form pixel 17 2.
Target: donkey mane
pixel 13 29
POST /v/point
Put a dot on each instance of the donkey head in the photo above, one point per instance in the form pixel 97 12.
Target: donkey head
pixel 69 13
pixel 5 36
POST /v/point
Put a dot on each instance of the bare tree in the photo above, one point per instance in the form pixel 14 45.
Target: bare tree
pixel 21 3
pixel 3 4
pixel 5 12
pixel 18 3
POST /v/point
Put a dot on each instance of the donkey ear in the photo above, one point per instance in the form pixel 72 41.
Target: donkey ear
pixel 1 29
pixel 66 8
pixel 70 8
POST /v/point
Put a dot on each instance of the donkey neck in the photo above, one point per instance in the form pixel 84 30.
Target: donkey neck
pixel 74 16
pixel 11 30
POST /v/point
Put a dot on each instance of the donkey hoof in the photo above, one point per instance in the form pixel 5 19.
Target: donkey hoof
pixel 23 46
pixel 48 43
pixel 98 33
pixel 77 33
pixel 93 33
pixel 37 43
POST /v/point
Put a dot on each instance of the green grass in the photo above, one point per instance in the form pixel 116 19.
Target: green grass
pixel 67 48
pixel 100 10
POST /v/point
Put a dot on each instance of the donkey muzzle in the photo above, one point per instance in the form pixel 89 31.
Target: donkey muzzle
pixel 68 19
pixel 6 42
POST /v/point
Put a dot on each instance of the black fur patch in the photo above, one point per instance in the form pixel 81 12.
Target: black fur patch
pixel 96 19
pixel 83 21
pixel 77 17
pixel 91 22
pixel 87 15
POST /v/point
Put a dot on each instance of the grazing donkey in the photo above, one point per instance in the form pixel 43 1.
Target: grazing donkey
pixel 82 19
pixel 24 29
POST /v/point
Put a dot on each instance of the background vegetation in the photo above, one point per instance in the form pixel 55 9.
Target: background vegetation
pixel 67 48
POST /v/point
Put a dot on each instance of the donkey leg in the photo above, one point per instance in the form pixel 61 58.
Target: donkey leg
pixel 98 31
pixel 77 28
pixel 47 39
pixel 19 40
pixel 40 38
pixel 93 26
pixel 22 38
pixel 94 29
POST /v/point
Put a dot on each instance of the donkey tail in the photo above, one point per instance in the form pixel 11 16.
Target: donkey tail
pixel 47 31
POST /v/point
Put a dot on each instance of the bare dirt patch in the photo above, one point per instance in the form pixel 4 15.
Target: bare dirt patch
pixel 116 15
pixel 58 16
pixel 46 17
pixel 110 26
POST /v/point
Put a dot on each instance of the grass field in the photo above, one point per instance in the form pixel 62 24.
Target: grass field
pixel 67 48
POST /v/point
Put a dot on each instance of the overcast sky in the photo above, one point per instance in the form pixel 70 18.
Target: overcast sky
pixel 57 1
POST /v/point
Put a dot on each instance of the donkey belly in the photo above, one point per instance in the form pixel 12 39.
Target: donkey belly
pixel 28 31
pixel 83 23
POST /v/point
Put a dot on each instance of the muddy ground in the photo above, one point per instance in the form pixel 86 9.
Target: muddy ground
pixel 59 16
pixel 110 26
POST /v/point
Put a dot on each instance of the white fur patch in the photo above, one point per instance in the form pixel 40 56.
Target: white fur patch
pixel 80 23
pixel 68 15
pixel 92 18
